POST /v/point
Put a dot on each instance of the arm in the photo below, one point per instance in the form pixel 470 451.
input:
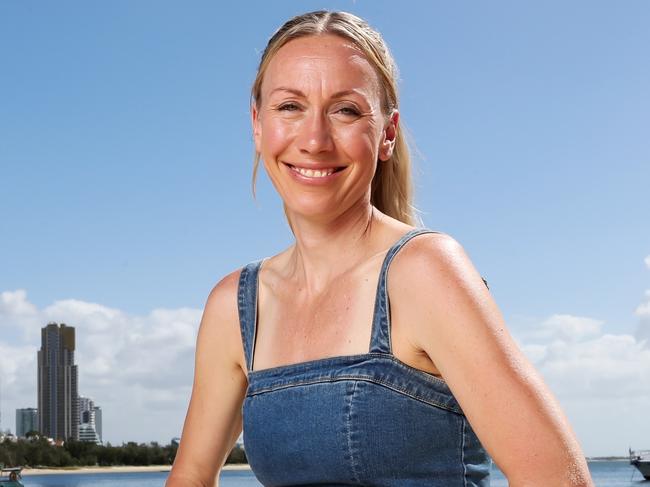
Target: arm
pixel 213 420
pixel 459 326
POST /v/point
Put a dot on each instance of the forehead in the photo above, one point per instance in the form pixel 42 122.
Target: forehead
pixel 327 60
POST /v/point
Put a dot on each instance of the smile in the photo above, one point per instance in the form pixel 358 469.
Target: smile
pixel 315 173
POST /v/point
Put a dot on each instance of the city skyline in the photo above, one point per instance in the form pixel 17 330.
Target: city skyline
pixel 89 421
pixel 62 414
pixel 126 161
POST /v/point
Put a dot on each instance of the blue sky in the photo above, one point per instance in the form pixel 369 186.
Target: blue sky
pixel 126 155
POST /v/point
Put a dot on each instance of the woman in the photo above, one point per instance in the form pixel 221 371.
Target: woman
pixel 331 384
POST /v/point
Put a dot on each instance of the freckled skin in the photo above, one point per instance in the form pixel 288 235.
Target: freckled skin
pixel 303 119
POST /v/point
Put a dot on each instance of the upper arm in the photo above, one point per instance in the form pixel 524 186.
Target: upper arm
pixel 213 419
pixel 505 400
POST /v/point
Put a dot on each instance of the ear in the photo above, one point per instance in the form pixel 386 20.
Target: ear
pixel 387 145
pixel 257 127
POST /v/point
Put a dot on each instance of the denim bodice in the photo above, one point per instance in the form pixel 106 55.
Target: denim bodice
pixel 354 420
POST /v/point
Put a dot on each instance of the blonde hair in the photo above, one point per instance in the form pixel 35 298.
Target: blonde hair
pixel 392 189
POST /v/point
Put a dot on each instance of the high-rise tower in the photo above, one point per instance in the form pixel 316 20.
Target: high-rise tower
pixel 58 413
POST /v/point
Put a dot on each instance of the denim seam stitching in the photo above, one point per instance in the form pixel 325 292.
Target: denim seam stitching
pixel 425 375
pixel 348 424
pixel 256 289
pixel 242 312
pixel 356 377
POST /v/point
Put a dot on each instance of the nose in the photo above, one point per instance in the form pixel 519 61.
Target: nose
pixel 315 134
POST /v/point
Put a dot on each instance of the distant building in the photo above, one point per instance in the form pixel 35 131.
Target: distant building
pixel 90 428
pixel 58 416
pixel 98 422
pixel 87 433
pixel 26 421
pixel 85 410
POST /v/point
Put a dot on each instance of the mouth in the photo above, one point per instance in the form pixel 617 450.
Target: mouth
pixel 315 173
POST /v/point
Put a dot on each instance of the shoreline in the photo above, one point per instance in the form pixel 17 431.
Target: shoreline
pixel 167 468
pixel 114 469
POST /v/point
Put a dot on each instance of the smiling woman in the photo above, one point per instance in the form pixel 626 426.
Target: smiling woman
pixel 366 57
pixel 318 122
pixel 332 382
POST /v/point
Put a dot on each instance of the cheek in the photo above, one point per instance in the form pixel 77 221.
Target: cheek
pixel 359 143
pixel 275 136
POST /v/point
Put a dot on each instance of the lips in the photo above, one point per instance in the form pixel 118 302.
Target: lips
pixel 315 173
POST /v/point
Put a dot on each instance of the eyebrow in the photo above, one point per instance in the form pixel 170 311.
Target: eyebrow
pixel 338 94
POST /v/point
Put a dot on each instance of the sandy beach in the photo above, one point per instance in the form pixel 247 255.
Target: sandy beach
pixel 118 469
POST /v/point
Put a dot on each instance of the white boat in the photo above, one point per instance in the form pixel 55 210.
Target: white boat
pixel 641 460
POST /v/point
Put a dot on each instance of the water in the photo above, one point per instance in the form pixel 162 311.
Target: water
pixel 605 474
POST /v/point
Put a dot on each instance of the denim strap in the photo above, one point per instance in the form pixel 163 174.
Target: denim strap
pixel 380 338
pixel 247 305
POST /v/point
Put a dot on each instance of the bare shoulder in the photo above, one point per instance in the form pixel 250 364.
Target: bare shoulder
pixel 442 296
pixel 429 245
pixel 435 260
pixel 220 322
pixel 223 296
pixel 446 301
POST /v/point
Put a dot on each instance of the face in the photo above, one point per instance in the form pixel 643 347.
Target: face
pixel 319 125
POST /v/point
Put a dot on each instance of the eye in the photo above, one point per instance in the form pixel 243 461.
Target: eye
pixel 288 107
pixel 348 111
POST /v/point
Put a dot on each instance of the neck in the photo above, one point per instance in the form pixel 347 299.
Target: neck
pixel 325 250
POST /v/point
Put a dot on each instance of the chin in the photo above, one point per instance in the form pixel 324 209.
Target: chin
pixel 311 209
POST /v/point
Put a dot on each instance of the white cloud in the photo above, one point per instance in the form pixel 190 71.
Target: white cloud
pixel 14 303
pixel 578 359
pixel 17 373
pixel 643 312
pixel 95 318
pixel 130 365
pixel 569 328
pixel 603 366
pixel 18 317
pixel 595 375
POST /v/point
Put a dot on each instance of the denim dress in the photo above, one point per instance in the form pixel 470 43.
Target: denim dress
pixel 362 420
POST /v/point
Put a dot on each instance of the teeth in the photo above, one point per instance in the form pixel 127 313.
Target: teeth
pixel 311 173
